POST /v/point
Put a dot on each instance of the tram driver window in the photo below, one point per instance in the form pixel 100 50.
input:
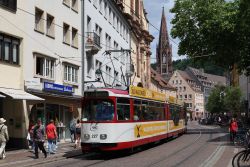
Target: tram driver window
pixel 123 109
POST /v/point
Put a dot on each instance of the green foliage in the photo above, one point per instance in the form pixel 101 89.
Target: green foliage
pixel 233 99
pixel 208 66
pixel 218 29
pixel 225 99
pixel 215 102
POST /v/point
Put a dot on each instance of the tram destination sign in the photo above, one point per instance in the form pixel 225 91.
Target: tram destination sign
pixel 96 94
pixel 146 93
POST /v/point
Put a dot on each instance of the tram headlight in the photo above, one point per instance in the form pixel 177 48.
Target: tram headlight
pixel 86 136
pixel 103 136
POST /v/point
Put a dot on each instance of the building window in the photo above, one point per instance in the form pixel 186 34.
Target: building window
pixel 100 6
pixel 180 96
pixel 98 65
pixel 121 28
pixel 66 2
pixel 110 15
pixel 39 20
pixel 185 96
pixel 74 37
pixel 88 24
pixel 9 4
pixel 116 81
pixel 89 65
pixel 74 5
pixel 180 82
pixel 98 31
pixel 190 96
pixel 116 48
pixel 45 67
pixel 66 33
pixel 70 73
pixel 105 10
pixel 123 57
pixel 9 49
pixel 184 88
pixel 50 27
pixel 108 42
pixel 118 25
pixel 108 75
pixel 114 20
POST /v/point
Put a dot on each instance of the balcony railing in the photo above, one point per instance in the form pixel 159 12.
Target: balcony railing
pixel 93 39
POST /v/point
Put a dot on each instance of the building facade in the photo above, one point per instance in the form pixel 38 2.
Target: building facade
pixel 164 51
pixel 140 41
pixel 107 45
pixel 206 81
pixel 42 56
pixel 189 92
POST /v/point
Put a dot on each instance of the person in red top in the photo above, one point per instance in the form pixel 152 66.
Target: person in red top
pixel 51 136
pixel 233 129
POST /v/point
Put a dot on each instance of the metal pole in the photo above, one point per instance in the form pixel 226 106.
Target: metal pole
pixel 83 46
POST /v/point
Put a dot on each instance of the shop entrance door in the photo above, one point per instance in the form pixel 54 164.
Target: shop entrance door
pixel 52 113
pixel 68 117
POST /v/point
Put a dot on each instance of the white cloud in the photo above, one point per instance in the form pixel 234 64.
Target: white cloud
pixel 154 10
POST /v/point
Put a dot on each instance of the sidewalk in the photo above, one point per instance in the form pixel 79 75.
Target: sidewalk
pixel 24 156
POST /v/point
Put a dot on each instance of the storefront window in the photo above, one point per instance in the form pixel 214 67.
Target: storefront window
pixel 98 110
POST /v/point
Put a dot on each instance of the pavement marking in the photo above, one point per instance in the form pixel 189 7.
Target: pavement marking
pixel 214 157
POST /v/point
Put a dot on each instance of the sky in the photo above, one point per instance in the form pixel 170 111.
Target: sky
pixel 154 10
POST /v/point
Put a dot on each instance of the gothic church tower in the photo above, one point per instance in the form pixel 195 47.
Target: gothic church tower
pixel 164 51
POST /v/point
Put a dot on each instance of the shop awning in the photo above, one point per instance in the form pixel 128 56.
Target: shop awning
pixel 19 94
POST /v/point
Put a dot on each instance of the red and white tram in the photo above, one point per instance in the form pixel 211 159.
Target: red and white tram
pixel 115 119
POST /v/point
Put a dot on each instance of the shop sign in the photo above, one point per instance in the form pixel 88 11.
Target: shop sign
pixel 146 93
pixel 33 83
pixel 58 88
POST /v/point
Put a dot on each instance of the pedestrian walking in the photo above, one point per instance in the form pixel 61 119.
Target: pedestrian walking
pixel 51 137
pixel 72 129
pixel 30 135
pixel 233 129
pixel 78 134
pixel 39 137
pixel 4 137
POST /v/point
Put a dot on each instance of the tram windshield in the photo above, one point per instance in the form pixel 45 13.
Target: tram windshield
pixel 98 110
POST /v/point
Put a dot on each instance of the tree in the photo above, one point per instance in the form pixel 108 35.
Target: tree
pixel 215 102
pixel 233 99
pixel 217 29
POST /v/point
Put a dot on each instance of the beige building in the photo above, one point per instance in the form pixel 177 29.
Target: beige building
pixel 189 92
pixel 140 41
pixel 38 77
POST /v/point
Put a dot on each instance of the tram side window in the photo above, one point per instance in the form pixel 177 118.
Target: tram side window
pixel 123 109
pixel 137 110
pixel 156 111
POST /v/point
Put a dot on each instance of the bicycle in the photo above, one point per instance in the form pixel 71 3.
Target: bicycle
pixel 241 159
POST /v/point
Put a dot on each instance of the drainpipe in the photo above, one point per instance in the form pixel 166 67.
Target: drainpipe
pixel 83 45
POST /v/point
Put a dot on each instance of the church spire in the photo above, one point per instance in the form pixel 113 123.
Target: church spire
pixel 164 50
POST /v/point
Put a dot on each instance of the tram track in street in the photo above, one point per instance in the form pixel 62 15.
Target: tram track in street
pixel 102 158
pixel 175 152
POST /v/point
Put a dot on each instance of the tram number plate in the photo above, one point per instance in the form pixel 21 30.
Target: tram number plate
pixel 94 135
